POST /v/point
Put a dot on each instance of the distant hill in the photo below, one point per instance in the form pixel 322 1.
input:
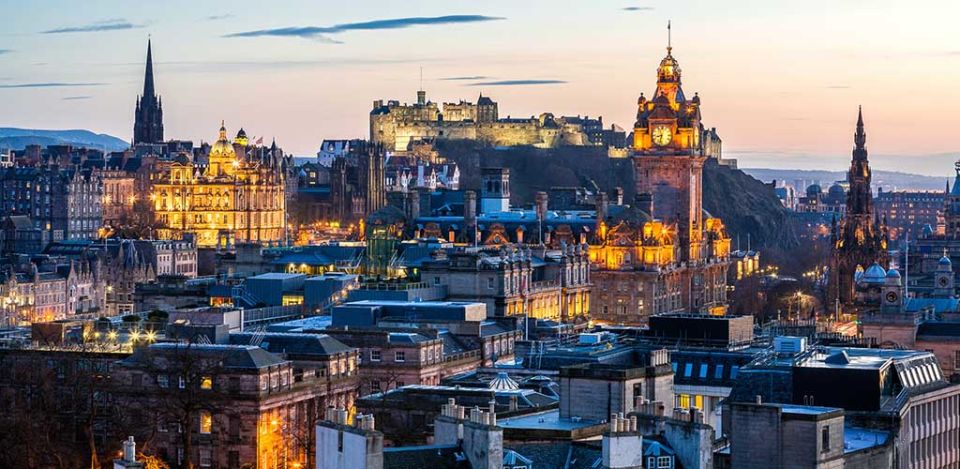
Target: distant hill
pixel 888 180
pixel 17 139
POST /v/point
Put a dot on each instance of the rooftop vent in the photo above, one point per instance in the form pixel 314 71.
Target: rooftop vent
pixel 789 344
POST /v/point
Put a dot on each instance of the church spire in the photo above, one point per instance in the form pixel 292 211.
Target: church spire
pixel 860 138
pixel 148 91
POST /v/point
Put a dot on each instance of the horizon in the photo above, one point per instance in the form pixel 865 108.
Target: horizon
pixel 310 72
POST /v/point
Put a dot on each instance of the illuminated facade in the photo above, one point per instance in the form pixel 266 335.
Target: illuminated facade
pixel 238 196
pixel 664 253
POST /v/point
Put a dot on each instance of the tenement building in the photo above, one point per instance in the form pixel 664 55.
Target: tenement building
pixel 664 253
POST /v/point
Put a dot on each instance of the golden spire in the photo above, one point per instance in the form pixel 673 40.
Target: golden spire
pixel 669 38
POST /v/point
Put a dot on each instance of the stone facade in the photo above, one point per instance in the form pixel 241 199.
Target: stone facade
pixel 239 195
pixel 397 126
pixel 662 253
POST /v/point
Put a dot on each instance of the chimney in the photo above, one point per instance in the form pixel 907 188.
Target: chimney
pixel 602 204
pixel 470 214
pixel 618 195
pixel 541 204
pixel 483 439
pixel 622 445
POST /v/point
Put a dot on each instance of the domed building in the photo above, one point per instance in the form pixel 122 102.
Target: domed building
pixel 237 196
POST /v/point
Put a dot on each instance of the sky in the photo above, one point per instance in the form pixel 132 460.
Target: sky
pixel 781 81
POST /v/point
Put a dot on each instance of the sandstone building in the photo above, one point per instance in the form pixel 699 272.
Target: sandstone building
pixel 664 253
pixel 396 126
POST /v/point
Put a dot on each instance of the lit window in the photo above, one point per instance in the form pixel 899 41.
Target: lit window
pixel 206 382
pixel 162 381
pixel 206 422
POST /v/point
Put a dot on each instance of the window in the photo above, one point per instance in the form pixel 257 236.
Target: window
pixel 683 401
pixel 718 372
pixel 687 370
pixel 205 459
pixel 400 356
pixel 698 401
pixel 733 371
pixel 340 441
pixel 206 382
pixel 182 383
pixel 651 462
pixel 401 384
pixel 663 462
pixel 162 381
pixel 374 385
pixel 374 355
pixel 825 439
pixel 703 370
pixel 206 422
pixel 674 365
pixel 490 283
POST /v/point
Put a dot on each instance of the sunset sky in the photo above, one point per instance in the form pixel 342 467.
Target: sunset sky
pixel 781 81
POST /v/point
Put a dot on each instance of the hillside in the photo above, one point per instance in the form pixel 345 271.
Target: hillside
pixel 17 139
pixel 746 205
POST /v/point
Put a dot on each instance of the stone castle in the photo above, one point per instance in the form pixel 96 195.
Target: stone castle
pixel 396 126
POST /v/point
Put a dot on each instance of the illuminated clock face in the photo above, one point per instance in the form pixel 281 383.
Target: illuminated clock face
pixel 661 135
pixel 892 297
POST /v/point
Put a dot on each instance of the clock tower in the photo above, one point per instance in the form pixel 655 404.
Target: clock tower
pixel 668 157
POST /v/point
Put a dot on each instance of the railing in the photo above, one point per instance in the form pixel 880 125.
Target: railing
pixel 394 286
pixel 270 314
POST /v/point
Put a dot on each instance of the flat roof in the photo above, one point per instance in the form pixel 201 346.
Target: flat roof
pixel 419 304
pixel 549 420
pixel 856 438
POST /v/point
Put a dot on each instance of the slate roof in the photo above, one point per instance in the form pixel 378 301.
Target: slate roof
pixel 295 345
pixel 232 356
pixel 940 329
pixel 425 457
pixel 560 454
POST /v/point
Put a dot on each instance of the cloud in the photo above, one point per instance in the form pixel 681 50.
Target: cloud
pixel 637 8
pixel 320 33
pixel 478 77
pixel 219 17
pixel 113 24
pixel 75 98
pixel 5 51
pixel 50 85
pixel 518 82
pixel 838 87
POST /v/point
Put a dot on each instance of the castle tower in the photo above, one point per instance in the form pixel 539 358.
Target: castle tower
pixel 148 118
pixel 860 240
